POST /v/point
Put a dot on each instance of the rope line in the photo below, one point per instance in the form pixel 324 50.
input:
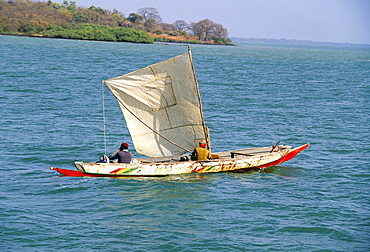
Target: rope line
pixel 104 129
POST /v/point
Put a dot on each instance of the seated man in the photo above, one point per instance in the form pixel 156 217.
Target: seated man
pixel 123 155
pixel 201 152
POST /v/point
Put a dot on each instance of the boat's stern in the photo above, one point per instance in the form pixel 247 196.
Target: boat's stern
pixel 79 166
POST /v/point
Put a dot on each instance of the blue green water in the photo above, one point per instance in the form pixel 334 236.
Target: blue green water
pixel 253 95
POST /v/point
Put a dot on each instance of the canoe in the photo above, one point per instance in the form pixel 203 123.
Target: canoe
pixel 162 108
pixel 228 161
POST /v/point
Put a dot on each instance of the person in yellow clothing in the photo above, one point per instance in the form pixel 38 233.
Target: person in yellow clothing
pixel 201 152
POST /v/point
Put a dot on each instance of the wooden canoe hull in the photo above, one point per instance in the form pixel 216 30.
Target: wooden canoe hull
pixel 244 163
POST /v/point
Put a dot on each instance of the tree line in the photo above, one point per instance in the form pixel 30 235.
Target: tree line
pixel 67 20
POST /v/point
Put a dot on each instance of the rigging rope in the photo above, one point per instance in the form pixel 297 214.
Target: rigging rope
pixel 105 137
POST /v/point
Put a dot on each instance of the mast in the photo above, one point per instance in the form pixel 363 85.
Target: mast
pixel 208 140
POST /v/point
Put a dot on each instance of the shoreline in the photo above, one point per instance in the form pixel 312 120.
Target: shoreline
pixel 235 39
pixel 171 41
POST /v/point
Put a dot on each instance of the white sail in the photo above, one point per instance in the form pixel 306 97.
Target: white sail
pixel 162 108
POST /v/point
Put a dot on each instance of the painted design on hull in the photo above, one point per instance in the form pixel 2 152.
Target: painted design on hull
pixel 163 169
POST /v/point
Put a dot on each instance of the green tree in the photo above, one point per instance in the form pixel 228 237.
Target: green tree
pixel 207 30
pixel 150 25
pixel 180 25
pixel 99 10
pixel 203 29
pixel 135 18
pixel 150 13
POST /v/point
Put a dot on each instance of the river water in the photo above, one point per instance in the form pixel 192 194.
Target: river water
pixel 253 95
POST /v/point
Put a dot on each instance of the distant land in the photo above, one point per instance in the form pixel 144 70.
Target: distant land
pixel 289 41
pixel 69 21
pixel 185 40
pixel 35 18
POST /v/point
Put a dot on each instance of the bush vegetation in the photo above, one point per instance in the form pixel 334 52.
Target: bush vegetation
pixel 68 21
pixel 97 32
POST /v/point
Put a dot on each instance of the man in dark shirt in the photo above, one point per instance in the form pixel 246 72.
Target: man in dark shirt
pixel 124 156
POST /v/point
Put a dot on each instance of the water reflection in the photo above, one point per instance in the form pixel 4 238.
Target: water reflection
pixel 284 171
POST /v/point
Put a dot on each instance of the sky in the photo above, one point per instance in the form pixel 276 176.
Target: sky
pixel 339 21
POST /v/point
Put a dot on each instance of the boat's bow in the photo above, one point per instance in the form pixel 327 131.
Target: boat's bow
pixel 292 153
